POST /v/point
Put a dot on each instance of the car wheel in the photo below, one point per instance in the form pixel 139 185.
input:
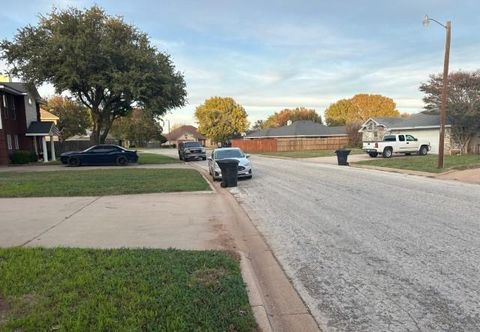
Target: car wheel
pixel 73 161
pixel 423 150
pixel 122 161
pixel 180 157
pixel 373 154
pixel 387 153
pixel 204 158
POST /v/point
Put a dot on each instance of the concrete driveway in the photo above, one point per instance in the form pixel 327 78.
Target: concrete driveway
pixel 184 221
pixel 370 250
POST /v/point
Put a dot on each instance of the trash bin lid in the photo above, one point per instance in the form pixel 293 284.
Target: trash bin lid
pixel 227 161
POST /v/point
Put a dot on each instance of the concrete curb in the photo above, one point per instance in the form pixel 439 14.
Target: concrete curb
pixel 275 302
pixel 254 295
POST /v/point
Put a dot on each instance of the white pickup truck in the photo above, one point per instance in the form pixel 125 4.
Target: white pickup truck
pixel 396 143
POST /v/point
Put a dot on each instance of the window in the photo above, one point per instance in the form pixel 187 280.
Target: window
pixel 228 153
pixel 410 138
pixel 12 108
pixel 401 138
pixel 192 145
pixel 15 140
pixel 390 138
pixel 9 142
pixel 5 106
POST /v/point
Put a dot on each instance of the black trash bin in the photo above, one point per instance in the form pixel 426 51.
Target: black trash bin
pixel 342 156
pixel 229 169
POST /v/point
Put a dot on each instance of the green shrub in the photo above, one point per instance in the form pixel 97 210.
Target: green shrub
pixel 23 157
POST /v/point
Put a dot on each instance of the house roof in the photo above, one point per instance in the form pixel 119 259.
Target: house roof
pixel 299 128
pixel 42 128
pixel 47 115
pixel 21 89
pixel 419 120
pixel 177 133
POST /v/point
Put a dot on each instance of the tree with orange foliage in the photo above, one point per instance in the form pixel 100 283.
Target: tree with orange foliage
pixel 74 118
pixel 360 108
pixel 279 119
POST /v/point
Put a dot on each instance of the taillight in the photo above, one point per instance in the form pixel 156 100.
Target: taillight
pixel 376 144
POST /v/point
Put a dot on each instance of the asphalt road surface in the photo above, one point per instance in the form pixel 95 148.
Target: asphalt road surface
pixel 368 250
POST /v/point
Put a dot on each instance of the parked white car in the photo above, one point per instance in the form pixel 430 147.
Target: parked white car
pixel 396 143
pixel 244 166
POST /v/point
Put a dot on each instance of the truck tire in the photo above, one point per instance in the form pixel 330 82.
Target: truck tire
pixel 423 150
pixel 373 154
pixel 387 152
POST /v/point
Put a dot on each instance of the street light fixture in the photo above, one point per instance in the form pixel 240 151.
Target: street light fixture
pixel 443 106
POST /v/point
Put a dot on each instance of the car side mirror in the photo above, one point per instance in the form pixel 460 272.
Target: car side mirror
pixel 416 139
pixel 247 156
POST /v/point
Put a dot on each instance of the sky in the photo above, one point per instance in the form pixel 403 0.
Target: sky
pixel 269 55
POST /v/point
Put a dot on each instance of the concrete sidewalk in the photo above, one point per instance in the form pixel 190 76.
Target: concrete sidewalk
pixel 184 221
pixel 467 176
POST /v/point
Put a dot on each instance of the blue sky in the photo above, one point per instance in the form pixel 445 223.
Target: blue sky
pixel 269 55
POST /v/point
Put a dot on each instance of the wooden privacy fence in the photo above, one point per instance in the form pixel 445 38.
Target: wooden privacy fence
pixel 256 145
pixel 318 143
pixel 290 144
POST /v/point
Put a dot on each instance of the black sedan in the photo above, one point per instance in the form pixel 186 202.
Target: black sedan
pixel 102 154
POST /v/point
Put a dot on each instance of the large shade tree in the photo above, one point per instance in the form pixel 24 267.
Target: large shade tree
pixel 360 108
pixel 221 119
pixel 463 104
pixel 106 64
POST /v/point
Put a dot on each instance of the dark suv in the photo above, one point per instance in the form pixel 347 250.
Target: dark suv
pixel 191 150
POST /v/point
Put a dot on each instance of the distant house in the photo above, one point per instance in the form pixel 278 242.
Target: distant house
pixel 184 133
pixel 420 125
pixel 48 117
pixel 299 129
pixel 20 125
pixel 300 135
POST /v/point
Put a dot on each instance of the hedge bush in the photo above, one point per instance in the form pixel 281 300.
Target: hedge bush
pixel 23 157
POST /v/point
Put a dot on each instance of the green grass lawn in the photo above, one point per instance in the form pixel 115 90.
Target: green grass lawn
pixel 309 153
pixel 99 182
pixel 426 163
pixel 152 158
pixel 121 290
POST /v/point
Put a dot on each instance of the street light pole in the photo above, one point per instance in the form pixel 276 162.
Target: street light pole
pixel 443 111
pixel 443 106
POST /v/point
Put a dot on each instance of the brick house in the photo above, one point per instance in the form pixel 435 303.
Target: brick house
pixel 184 133
pixel 20 121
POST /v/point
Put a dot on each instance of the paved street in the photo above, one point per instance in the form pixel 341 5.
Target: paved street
pixel 368 250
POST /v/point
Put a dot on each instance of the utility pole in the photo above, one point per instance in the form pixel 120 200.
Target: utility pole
pixel 443 106
pixel 443 110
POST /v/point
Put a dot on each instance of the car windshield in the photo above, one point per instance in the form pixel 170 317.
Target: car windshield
pixel 191 145
pixel 225 154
